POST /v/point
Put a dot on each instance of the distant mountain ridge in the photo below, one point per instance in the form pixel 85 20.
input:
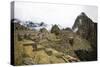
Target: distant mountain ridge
pixel 29 24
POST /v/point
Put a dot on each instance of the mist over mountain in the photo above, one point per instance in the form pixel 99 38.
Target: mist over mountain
pixel 31 25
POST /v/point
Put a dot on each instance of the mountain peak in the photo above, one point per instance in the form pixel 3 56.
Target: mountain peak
pixel 82 14
pixel 82 21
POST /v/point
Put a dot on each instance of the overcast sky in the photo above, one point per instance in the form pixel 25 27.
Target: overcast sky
pixel 63 15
